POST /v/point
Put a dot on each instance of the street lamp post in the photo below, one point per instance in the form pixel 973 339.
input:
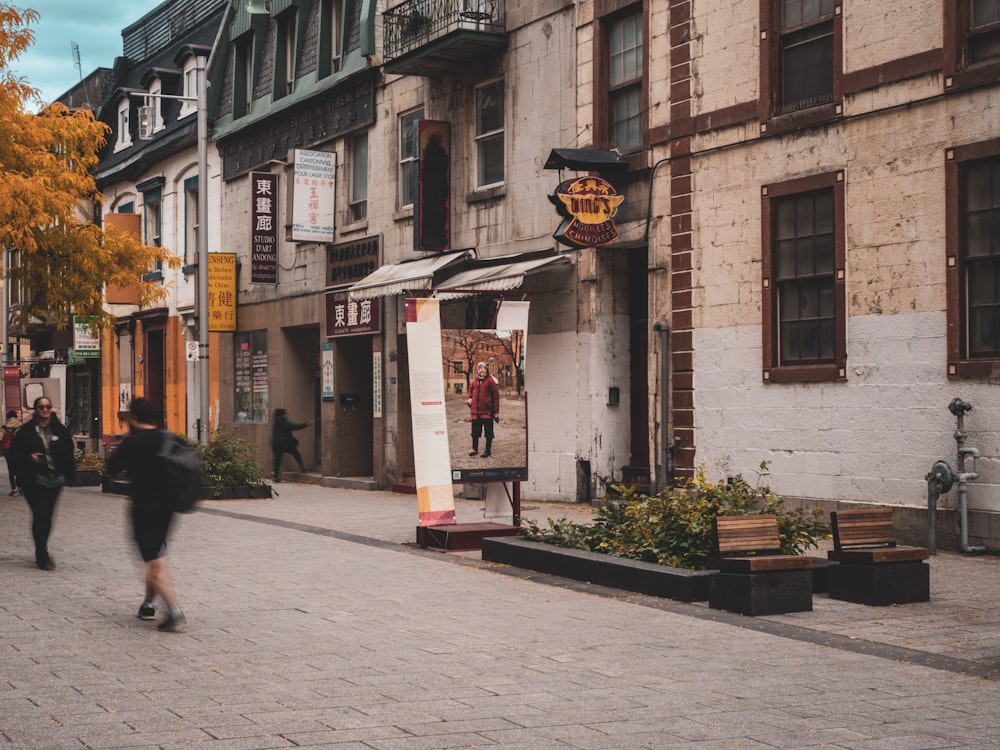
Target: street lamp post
pixel 146 126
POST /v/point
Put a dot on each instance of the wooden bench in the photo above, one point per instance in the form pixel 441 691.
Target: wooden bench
pixel 873 569
pixel 754 578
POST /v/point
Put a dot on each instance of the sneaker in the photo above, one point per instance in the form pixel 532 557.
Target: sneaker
pixel 173 624
pixel 13 492
pixel 146 612
pixel 47 564
pixel 473 451
pixel 487 454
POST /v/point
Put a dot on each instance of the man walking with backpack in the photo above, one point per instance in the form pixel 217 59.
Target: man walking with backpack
pixel 152 509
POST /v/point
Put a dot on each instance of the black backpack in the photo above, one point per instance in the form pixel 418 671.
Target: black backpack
pixel 182 476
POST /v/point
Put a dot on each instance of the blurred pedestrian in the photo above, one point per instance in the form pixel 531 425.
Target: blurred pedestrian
pixel 10 428
pixel 43 463
pixel 283 441
pixel 484 408
pixel 139 456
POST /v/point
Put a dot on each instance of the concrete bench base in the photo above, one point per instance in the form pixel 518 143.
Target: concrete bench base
pixel 881 585
pixel 757 594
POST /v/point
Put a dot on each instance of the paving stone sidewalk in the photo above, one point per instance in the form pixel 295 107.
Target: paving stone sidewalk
pixel 315 622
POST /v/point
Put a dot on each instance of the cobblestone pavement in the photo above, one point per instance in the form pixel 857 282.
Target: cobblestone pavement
pixel 314 622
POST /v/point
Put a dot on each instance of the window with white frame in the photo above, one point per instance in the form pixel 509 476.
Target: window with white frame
pixel 358 202
pixel 124 124
pixel 625 81
pixel 152 216
pixel 284 59
pixel 189 104
pixel 490 134
pixel 331 36
pixel 191 223
pixel 154 101
pixel 409 156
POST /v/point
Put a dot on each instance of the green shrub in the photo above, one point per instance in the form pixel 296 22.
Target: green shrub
pixel 229 461
pixel 674 527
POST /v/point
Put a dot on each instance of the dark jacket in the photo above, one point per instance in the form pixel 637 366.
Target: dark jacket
pixel 484 398
pixel 28 441
pixel 139 456
pixel 281 433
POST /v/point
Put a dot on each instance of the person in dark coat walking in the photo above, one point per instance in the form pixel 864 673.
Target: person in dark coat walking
pixel 42 452
pixel 283 441
pixel 484 408
pixel 139 456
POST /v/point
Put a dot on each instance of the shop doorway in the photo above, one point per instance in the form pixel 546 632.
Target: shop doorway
pixel 354 450
pixel 154 374
pixel 299 394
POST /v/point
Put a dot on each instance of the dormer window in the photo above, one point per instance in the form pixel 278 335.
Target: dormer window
pixel 189 105
pixel 124 125
pixel 154 101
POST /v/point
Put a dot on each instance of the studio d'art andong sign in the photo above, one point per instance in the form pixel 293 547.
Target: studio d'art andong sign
pixel 587 206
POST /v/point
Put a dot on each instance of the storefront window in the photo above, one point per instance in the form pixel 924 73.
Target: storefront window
pixel 251 376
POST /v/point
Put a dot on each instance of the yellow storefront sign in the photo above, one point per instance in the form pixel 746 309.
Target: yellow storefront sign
pixel 222 291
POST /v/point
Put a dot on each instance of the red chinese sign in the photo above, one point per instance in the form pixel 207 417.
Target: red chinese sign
pixel 588 206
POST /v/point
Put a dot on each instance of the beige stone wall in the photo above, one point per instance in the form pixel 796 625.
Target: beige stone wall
pixel 879 32
pixel 724 49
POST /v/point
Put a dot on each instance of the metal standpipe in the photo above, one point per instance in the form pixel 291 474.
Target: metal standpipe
pixel 939 482
pixel 960 408
pixel 941 478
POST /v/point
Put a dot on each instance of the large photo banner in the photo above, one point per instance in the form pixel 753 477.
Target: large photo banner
pixel 486 399
pixel 435 493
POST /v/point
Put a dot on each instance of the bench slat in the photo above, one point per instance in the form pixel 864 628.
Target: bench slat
pixel 868 536
pixel 756 537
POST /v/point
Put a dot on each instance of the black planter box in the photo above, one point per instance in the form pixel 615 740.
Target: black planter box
pixel 87 478
pixel 604 570
pixel 244 492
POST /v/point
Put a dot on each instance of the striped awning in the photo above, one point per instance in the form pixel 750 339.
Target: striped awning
pixel 495 277
pixel 409 275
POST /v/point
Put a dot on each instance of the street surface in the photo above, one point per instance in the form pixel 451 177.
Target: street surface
pixel 314 622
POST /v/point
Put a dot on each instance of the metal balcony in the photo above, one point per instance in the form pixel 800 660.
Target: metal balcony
pixel 429 37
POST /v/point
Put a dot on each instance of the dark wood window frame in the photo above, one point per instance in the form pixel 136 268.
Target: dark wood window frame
pixel 960 365
pixel 773 371
pixel 770 74
pixel 606 11
pixel 959 70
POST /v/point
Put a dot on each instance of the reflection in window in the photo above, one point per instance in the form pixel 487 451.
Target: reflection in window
pixel 490 134
pixel 409 155
pixel 250 351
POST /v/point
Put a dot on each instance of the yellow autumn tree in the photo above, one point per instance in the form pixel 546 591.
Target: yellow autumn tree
pixel 48 199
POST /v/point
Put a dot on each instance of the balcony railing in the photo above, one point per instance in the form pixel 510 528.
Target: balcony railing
pixel 464 26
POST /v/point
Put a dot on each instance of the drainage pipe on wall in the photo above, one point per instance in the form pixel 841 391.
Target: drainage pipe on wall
pixel 661 469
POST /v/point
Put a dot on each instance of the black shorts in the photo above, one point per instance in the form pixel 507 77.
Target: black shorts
pixel 150 526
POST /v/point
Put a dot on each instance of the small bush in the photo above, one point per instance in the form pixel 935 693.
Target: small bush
pixel 88 460
pixel 675 526
pixel 228 461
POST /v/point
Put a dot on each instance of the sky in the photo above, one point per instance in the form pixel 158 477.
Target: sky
pixel 95 26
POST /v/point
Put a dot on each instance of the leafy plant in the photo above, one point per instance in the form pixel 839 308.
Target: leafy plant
pixel 674 527
pixel 86 460
pixel 228 461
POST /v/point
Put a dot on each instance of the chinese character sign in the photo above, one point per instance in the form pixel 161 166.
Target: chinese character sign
pixel 222 291
pixel 350 317
pixel 263 228
pixel 313 196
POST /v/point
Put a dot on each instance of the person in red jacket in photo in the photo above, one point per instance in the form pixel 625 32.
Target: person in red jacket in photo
pixel 484 406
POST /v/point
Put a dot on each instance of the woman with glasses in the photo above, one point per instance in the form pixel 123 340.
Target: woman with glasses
pixel 43 459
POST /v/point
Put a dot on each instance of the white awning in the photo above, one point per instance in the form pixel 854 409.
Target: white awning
pixel 400 277
pixel 495 278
